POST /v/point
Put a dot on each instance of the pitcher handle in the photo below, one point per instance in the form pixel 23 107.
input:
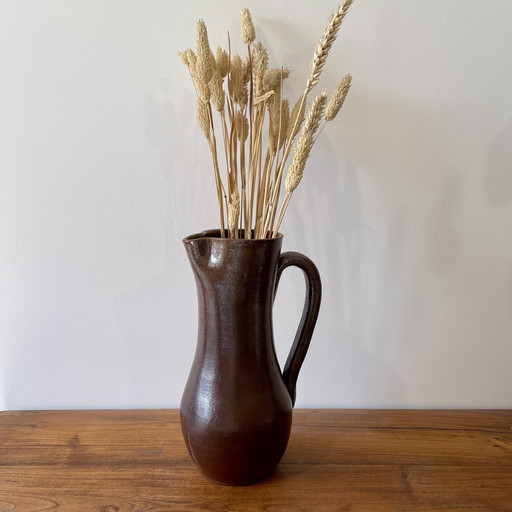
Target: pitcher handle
pixel 309 315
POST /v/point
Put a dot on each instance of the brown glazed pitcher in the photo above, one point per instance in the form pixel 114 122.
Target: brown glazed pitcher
pixel 236 410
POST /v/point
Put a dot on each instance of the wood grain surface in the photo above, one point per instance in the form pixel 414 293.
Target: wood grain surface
pixel 337 460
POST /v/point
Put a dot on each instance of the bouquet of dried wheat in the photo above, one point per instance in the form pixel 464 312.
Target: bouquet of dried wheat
pixel 258 128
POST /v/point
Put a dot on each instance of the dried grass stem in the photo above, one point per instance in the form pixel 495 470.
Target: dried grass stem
pixel 259 131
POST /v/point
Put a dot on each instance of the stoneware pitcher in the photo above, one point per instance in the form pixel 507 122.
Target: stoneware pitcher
pixel 236 410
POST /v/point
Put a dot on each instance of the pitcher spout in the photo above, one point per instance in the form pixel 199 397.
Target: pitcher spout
pixel 201 250
pixel 197 246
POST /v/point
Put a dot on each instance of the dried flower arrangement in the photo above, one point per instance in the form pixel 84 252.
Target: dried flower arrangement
pixel 256 149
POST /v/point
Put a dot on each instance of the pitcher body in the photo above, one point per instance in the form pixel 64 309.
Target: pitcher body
pixel 236 410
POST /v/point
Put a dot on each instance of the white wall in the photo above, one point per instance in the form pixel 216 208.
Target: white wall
pixel 406 206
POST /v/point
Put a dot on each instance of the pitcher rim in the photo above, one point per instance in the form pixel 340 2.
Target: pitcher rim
pixel 215 234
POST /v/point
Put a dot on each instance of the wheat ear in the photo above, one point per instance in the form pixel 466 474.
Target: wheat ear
pixel 248 32
pixel 338 98
pixel 324 45
pixel 319 58
pixel 233 213
pixel 301 153
pixel 204 64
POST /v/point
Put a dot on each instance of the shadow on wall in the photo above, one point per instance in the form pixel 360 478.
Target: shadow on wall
pixel 148 319
pixel 498 179
pixel 355 373
pixel 373 380
pixel 417 241
pixel 178 144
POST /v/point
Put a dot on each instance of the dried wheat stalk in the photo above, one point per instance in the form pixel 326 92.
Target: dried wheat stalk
pixel 324 45
pixel 338 98
pixel 259 131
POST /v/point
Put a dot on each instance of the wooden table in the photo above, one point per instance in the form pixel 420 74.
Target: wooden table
pixel 337 460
